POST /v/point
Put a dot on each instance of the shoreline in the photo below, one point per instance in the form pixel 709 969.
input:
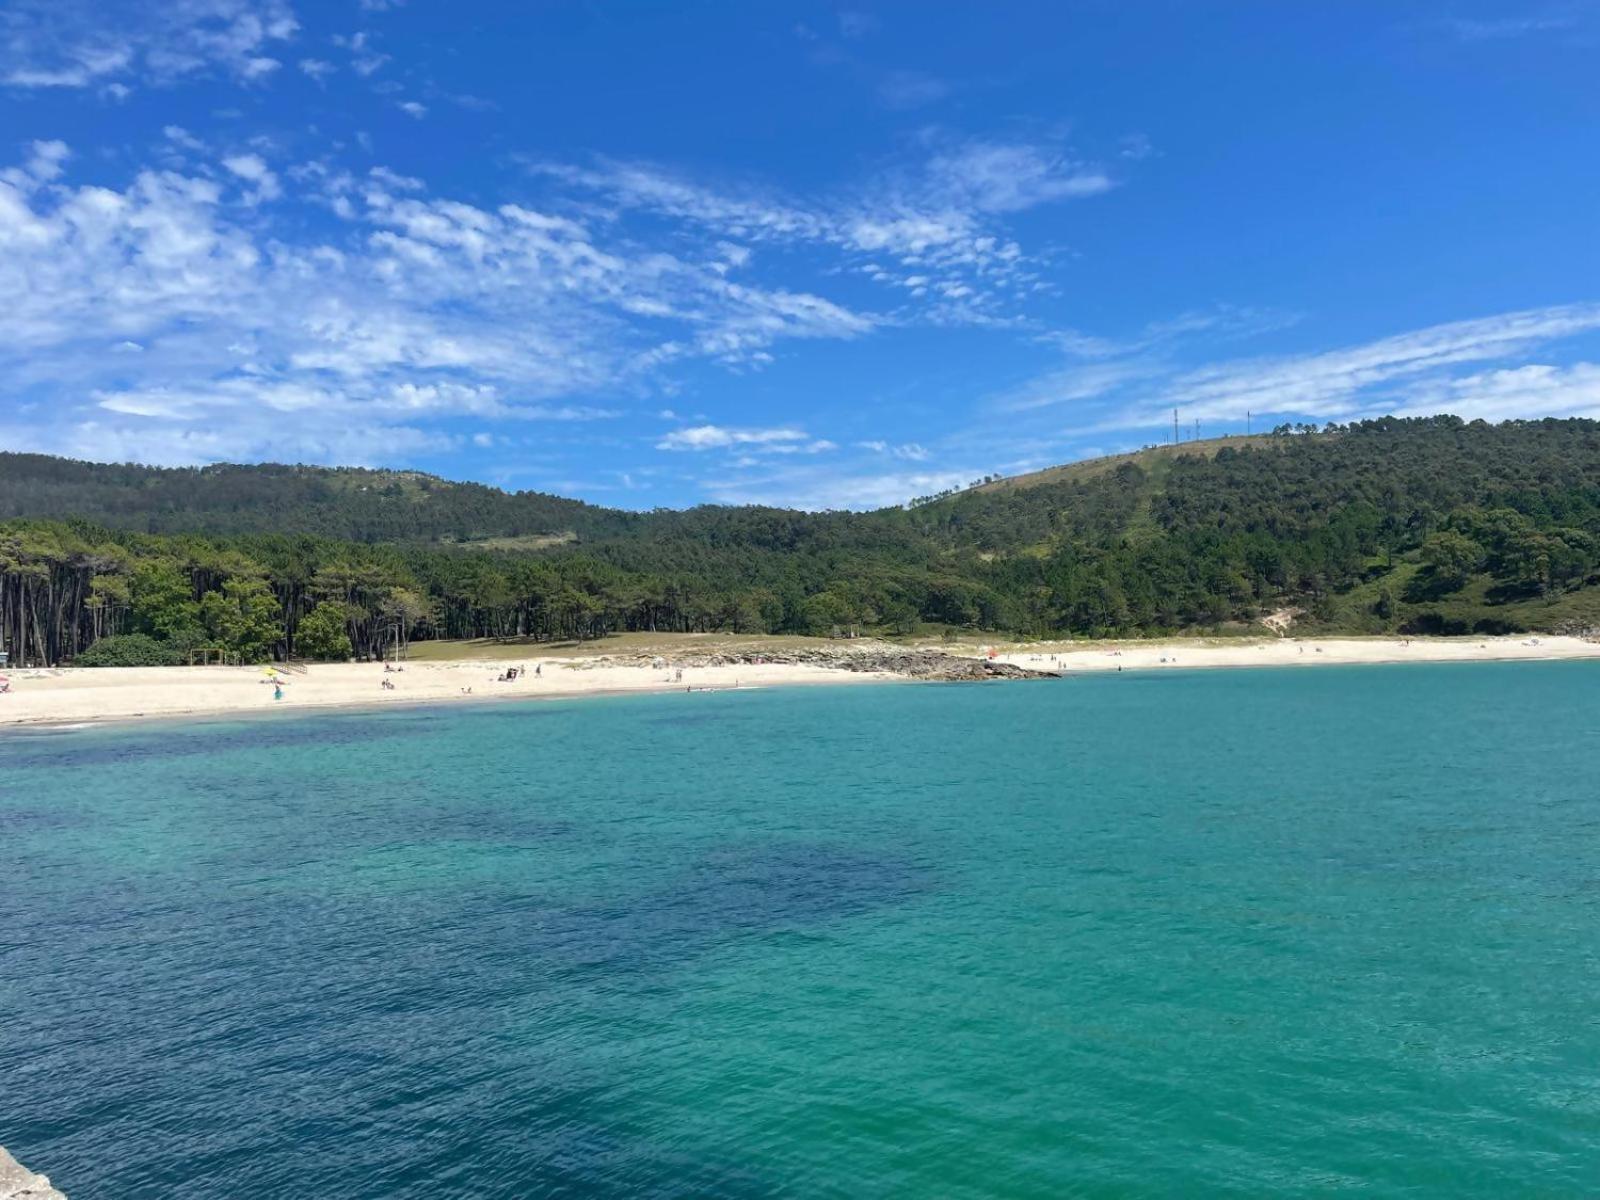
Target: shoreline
pixel 67 698
pixel 64 698
pixel 1070 658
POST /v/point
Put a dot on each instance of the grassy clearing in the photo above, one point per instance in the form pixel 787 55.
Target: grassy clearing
pixel 531 541
pixel 665 644
pixel 1150 458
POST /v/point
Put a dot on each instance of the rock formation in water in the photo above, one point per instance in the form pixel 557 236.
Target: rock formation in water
pixel 869 656
pixel 19 1183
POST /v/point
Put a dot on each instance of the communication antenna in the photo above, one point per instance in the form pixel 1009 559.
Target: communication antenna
pixel 1174 427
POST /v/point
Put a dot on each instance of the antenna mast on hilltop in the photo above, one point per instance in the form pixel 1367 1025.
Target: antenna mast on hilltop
pixel 1174 427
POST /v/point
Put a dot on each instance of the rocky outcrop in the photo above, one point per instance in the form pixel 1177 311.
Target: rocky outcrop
pixel 19 1183
pixel 871 657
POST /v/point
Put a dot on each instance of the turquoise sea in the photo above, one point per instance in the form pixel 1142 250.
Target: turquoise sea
pixel 1293 932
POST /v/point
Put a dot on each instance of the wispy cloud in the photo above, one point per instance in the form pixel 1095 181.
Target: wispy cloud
pixel 83 43
pixel 932 229
pixel 426 310
pixel 716 437
pixel 1532 391
pixel 1136 385
pixel 818 489
pixel 253 169
pixel 1340 382
pixel 910 451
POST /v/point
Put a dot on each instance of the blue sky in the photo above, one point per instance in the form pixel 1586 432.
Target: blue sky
pixel 813 254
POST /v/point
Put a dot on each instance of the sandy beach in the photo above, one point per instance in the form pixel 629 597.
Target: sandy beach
pixel 73 695
pixel 1181 653
pixel 78 695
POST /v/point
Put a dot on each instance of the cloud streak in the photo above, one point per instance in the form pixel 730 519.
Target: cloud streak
pixel 933 230
pixel 1134 387
pixel 88 43
pixel 426 309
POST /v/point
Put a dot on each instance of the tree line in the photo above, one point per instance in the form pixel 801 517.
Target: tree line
pixel 1163 543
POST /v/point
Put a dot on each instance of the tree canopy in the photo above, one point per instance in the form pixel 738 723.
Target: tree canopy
pixel 1398 523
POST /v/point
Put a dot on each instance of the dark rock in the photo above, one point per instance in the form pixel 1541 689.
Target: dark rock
pixel 871 657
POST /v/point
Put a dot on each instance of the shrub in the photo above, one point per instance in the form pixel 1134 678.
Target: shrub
pixel 129 650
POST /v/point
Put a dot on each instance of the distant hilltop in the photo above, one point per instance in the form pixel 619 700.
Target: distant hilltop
pixel 1398 525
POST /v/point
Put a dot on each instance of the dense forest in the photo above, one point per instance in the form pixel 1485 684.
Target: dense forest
pixel 1424 525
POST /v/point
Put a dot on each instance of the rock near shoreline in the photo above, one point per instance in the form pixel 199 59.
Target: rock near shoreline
pixel 19 1183
pixel 931 665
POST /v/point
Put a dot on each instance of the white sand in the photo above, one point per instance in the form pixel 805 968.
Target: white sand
pixel 72 696
pixel 88 694
pixel 1180 653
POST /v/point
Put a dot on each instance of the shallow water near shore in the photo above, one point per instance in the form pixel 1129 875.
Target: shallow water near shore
pixel 1203 933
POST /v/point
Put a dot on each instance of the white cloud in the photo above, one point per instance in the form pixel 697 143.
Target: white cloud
pixel 1136 385
pixel 317 68
pixel 910 451
pixel 364 60
pixel 179 136
pixel 421 311
pixel 818 488
pixel 1338 382
pixel 937 222
pixel 46 161
pixel 252 168
pixel 1516 393
pixel 1072 385
pixel 413 109
pixel 83 43
pixel 716 437
pixel 998 177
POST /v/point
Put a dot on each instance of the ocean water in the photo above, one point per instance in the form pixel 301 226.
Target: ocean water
pixel 1204 933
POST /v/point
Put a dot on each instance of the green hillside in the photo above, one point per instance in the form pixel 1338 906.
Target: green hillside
pixel 1425 525
pixel 350 503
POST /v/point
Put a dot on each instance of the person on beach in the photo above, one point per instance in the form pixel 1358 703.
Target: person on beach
pixel 277 691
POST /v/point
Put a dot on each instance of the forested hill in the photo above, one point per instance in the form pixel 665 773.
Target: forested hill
pixel 336 502
pixel 1420 525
